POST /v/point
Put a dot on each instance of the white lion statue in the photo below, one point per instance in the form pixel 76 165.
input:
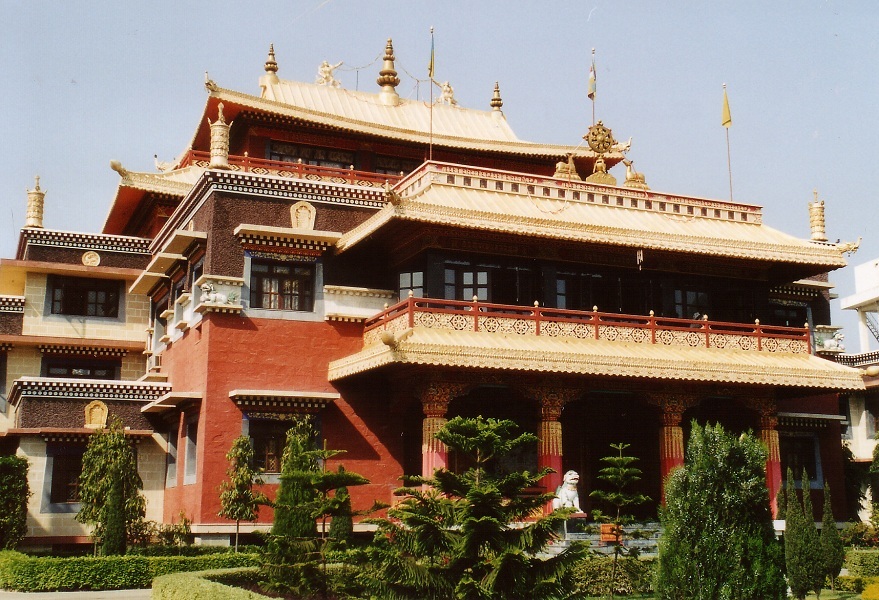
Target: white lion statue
pixel 566 494
pixel 836 342
pixel 209 294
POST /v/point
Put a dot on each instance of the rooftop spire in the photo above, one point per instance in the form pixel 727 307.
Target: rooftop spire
pixel 496 102
pixel 816 219
pixel 387 77
pixel 271 76
pixel 35 199
pixel 271 63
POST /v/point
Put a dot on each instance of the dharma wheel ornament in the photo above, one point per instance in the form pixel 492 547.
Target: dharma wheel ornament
pixel 600 140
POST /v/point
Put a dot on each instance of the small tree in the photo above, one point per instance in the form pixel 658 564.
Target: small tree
pixel 719 541
pixel 293 558
pixel 801 549
pixel 110 489
pixel 14 493
pixel 342 525
pixel 832 549
pixel 619 474
pixel 238 500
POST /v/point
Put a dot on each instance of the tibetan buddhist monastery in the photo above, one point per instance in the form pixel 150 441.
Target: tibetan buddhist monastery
pixel 385 264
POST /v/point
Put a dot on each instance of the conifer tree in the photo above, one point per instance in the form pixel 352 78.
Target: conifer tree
pixel 342 525
pixel 801 550
pixel 813 547
pixel 718 540
pixel 238 500
pixel 832 549
pixel 619 473
pixel 455 537
pixel 110 489
pixel 293 558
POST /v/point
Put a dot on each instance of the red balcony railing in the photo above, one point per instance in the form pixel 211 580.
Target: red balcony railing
pixel 299 170
pixel 612 327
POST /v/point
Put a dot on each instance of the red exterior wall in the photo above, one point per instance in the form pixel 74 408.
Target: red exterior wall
pixel 269 354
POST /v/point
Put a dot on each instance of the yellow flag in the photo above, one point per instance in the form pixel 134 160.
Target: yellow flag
pixel 725 117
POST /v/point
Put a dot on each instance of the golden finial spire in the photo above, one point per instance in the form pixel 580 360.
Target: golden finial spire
pixel 271 63
pixel 387 77
pixel 816 219
pixel 35 198
pixel 271 76
pixel 496 102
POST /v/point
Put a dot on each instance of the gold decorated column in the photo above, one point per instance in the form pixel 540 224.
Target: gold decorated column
pixel 551 401
pixel 435 398
pixel 767 408
pixel 671 436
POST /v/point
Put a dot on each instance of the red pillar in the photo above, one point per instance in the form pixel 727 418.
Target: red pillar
pixel 671 436
pixel 671 444
pixel 549 443
pixel 769 435
pixel 551 401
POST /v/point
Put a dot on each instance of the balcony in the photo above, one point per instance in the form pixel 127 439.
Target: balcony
pixel 454 315
pixel 297 170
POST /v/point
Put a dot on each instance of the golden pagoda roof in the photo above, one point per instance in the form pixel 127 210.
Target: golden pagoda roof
pixel 598 358
pixel 528 205
pixel 410 120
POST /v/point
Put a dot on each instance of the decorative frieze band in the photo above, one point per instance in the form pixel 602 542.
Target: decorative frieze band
pixel 12 304
pixel 80 350
pixel 86 388
pixel 86 241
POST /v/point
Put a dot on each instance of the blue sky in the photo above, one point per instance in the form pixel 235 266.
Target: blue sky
pixel 85 83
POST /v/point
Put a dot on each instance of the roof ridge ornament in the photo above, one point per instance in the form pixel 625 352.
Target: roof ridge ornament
pixel 496 101
pixel 387 78
pixel 816 219
pixel 271 76
pixel 219 140
pixel 35 199
pixel 325 74
pixel 271 65
pixel 600 140
pixel 633 178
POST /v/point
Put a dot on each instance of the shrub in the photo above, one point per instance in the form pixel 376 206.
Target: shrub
pixel 851 583
pixel 592 576
pixel 27 574
pixel 14 493
pixel 864 563
pixel 871 592
pixel 204 585
pixel 858 535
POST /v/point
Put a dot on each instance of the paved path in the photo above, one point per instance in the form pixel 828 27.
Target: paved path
pixel 106 595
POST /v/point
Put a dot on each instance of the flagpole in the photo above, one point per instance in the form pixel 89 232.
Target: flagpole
pixel 592 84
pixel 430 83
pixel 726 121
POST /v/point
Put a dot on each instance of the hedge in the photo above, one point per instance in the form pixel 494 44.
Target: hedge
pixel 851 583
pixel 871 592
pixel 154 550
pixel 200 585
pixel 44 574
pixel 863 563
